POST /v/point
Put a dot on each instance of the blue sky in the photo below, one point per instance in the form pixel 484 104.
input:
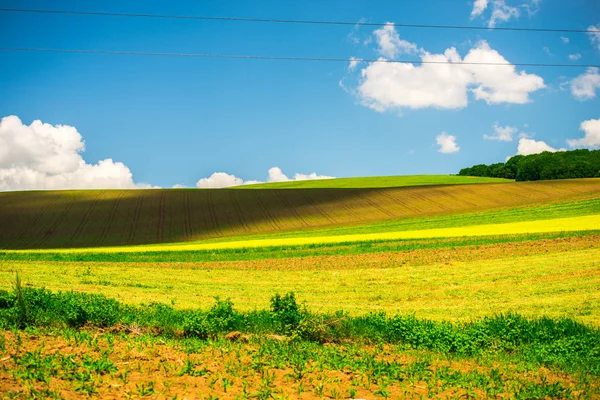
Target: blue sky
pixel 176 120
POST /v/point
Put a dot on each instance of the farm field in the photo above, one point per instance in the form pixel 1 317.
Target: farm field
pixel 72 219
pixel 486 290
pixel 556 276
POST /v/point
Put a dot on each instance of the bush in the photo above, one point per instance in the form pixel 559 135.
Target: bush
pixel 295 320
pixel 78 309
pixel 195 325
pixel 220 318
pixel 287 312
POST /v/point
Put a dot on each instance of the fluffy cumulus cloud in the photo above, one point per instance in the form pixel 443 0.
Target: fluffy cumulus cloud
pixel 502 133
pixel 219 180
pixel 45 156
pixel 389 42
pixel 564 39
pixel 275 174
pixel 595 35
pixel 501 11
pixel 591 138
pixel 447 143
pixel 530 146
pixel 574 57
pixel 498 83
pixel 584 86
pixel 384 86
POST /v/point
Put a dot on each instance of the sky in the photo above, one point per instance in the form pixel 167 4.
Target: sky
pixel 98 120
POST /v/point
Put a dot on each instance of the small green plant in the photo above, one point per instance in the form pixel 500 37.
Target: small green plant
pixel 287 312
pixel 22 312
pixel 190 368
pixel 144 389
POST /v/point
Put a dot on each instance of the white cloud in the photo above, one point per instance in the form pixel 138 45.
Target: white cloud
pixel 447 143
pixel 219 180
pixel 44 156
pixel 275 174
pixel 479 7
pixel 310 177
pixel 574 57
pixel 591 128
pixel 390 44
pixel 532 7
pixel 501 12
pixel 530 146
pixel 385 86
pixel 595 36
pixel 502 133
pixel 525 135
pixel 353 63
pixel 547 50
pixel 584 86
pixel 565 40
pixel 497 83
pixel 353 36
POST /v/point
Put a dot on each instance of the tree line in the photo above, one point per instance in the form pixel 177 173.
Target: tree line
pixel 560 165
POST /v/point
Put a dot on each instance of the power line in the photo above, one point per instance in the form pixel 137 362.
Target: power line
pixel 290 21
pixel 282 58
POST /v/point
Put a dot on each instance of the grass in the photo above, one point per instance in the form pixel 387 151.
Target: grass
pixel 377 182
pixel 552 277
pixel 79 219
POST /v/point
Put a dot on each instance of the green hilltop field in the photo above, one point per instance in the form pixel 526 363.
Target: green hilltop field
pixel 377 182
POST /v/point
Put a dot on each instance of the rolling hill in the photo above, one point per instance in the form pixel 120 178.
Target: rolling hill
pixel 71 219
pixel 376 182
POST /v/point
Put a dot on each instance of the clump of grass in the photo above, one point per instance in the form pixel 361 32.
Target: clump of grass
pixel 22 316
pixel 33 306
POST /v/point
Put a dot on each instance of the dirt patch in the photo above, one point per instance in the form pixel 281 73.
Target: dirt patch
pixel 71 364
